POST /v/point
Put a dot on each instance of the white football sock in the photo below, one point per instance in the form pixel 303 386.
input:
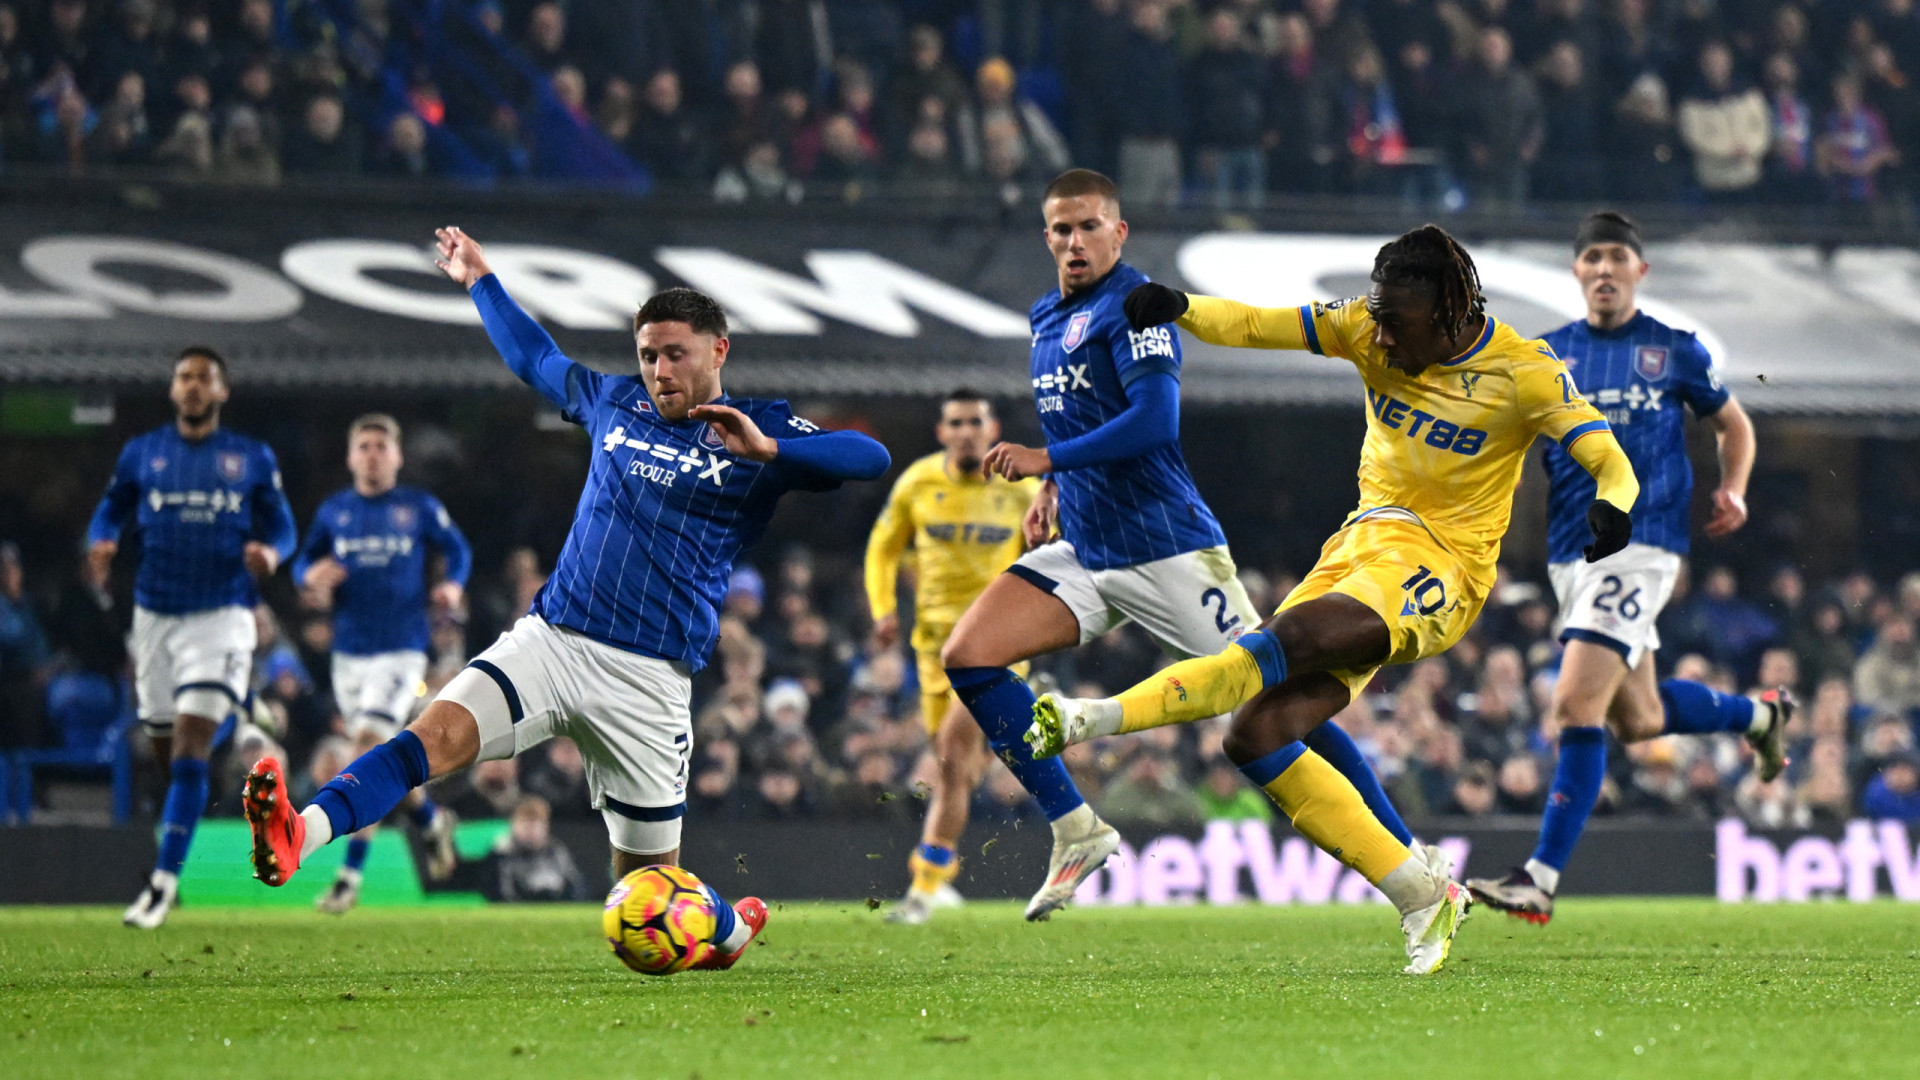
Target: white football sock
pixel 164 880
pixel 319 831
pixel 1103 716
pixel 1762 716
pixel 1544 876
pixel 1412 885
pixel 742 933
pixel 1074 824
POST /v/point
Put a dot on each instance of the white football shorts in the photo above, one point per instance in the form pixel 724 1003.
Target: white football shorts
pixel 1191 604
pixel 377 693
pixel 630 714
pixel 198 664
pixel 1615 601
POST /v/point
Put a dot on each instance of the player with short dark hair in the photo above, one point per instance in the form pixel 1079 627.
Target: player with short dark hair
pixel 1454 399
pixel 210 516
pixel 963 524
pixel 366 552
pixel 1137 543
pixel 682 479
pixel 1644 376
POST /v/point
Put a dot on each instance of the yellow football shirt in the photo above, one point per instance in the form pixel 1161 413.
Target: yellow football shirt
pixel 1446 445
pixel 964 531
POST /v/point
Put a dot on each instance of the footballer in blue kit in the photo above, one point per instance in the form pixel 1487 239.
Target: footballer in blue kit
pixel 1644 376
pixel 207 510
pixel 1136 541
pixel 365 557
pixel 681 479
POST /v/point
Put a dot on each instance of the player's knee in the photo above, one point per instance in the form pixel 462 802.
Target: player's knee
pixel 1243 743
pixel 450 736
pixel 959 651
pixel 1574 713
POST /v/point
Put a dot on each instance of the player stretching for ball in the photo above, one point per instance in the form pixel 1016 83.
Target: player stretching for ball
pixel 207 507
pixel 681 479
pixel 964 525
pixel 1454 399
pixel 1641 373
pixel 1140 544
pixel 367 548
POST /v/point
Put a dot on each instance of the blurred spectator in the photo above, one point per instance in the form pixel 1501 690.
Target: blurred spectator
pixel 324 145
pixel 122 136
pixel 923 73
pixel 403 153
pixel 1226 91
pixel 1224 795
pixel 1894 795
pixel 528 865
pixel 246 156
pixel 1299 110
pixel 1501 128
pixel 1570 107
pixel 1150 793
pixel 127 46
pixel 1716 621
pixel 1724 125
pixel 1520 789
pixel 1825 792
pixel 1375 143
pixel 1473 791
pixel 23 657
pixel 1853 147
pixel 1151 111
pixel 1888 674
pixel 1644 158
pixel 1790 175
pixel 558 774
pixel 1015 139
pixel 1770 804
pixel 491 789
pixel 669 138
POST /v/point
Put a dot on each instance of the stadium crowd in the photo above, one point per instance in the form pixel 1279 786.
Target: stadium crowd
pixel 800 716
pixel 1445 103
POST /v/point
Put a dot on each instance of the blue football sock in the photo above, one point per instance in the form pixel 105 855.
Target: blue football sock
pixel 374 784
pixel 186 801
pixel 935 854
pixel 1694 709
pixel 1576 787
pixel 357 852
pixel 423 814
pixel 724 918
pixel 1003 707
pixel 1331 741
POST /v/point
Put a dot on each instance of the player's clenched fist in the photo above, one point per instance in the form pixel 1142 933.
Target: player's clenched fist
pixel 1612 529
pixel 1151 304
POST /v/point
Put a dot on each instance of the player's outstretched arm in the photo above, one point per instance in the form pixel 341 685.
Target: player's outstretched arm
pixel 830 455
pixel 892 531
pixel 1600 454
pixel 522 342
pixel 116 506
pixel 1214 320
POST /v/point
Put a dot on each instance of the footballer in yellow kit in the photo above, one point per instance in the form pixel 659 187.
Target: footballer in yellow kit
pixel 965 529
pixel 1454 399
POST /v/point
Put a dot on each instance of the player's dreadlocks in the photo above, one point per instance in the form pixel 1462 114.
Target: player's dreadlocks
pixel 1430 258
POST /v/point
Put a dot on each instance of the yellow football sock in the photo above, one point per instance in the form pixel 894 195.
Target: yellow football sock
pixel 1191 690
pixel 1327 809
pixel 927 876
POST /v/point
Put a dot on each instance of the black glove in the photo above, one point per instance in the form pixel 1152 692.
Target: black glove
pixel 1612 529
pixel 1150 305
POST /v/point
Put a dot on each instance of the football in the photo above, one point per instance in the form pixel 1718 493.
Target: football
pixel 658 920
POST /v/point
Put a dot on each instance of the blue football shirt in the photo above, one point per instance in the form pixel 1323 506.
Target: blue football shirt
pixel 193 505
pixel 1085 356
pixel 1639 376
pixel 383 541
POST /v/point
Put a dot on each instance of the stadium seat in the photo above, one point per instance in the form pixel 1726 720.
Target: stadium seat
pixel 94 715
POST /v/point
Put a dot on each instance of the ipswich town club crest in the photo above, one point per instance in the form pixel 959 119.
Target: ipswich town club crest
pixel 1651 362
pixel 1076 330
pixel 233 467
pixel 711 438
pixel 403 518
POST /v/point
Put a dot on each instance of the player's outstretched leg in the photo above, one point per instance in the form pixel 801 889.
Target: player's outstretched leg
pixel 1180 693
pixel 187 789
pixel 366 791
pixel 735 927
pixel 1327 809
pixel 961 752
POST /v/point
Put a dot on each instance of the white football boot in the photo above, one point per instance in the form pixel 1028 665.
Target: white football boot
pixel 1081 845
pixel 150 909
pixel 1430 929
pixel 441 856
pixel 342 896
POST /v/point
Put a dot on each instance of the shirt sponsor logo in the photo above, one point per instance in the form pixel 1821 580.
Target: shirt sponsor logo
pixel 1153 341
pixel 1650 362
pixel 1076 330
pixel 661 464
pixel 1428 428
pixel 197 507
pixel 233 467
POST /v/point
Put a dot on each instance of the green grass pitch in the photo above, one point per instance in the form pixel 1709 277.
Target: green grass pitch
pixel 1611 989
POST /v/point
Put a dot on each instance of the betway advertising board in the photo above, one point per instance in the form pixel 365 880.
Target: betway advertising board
pixel 304 294
pixel 1224 863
